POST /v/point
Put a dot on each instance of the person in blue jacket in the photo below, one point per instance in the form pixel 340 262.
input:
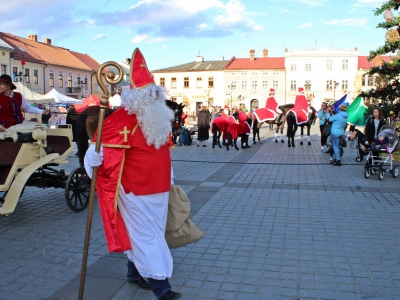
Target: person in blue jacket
pixel 323 114
pixel 339 123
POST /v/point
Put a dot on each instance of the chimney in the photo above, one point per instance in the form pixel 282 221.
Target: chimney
pixel 128 61
pixel 286 50
pixel 265 52
pixel 356 49
pixel 47 41
pixel 221 58
pixel 199 58
pixel 252 54
pixel 32 37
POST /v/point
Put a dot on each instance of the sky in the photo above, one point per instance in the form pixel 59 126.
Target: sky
pixel 174 32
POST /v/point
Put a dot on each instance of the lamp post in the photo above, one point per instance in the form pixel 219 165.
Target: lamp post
pixel 335 84
pixel 231 87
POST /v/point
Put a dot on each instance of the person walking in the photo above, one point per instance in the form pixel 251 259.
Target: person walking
pixel 339 123
pixel 203 125
pixel 323 114
pixel 133 193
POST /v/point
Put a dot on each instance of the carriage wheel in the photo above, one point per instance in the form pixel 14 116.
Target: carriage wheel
pixel 358 159
pixel 381 174
pixel 366 173
pixel 395 172
pixel 77 189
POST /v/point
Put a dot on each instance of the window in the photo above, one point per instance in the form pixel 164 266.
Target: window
pixel 254 85
pixel 345 64
pixel 265 85
pixel 51 80
pixel 60 80
pixel 345 84
pixel 307 85
pixel 70 81
pixel 199 82
pixel 173 82
pixel 78 80
pixel 275 85
pixel 293 85
pixel 265 73
pixel 86 84
pixel 329 85
pixel 370 80
pixel 292 67
pixel 244 85
pixel 3 69
pixel 27 76
pixel 329 64
pixel 308 66
pixel 186 82
pixel 35 76
pixel 96 88
pixel 233 85
pixel 254 73
pixel 162 81
pixel 210 82
pixel 244 74
pixel 14 73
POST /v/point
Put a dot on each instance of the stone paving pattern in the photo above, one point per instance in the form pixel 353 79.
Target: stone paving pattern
pixel 279 223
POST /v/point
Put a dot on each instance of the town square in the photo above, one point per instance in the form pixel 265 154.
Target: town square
pixel 220 149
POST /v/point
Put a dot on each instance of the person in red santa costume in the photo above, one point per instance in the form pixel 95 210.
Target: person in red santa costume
pixel 301 107
pixel 134 179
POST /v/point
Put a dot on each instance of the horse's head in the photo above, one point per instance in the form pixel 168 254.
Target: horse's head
pixel 177 109
pixel 312 116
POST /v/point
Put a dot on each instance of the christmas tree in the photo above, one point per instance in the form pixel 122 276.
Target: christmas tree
pixel 386 73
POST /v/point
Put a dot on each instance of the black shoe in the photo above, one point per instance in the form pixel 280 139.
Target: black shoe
pixel 276 140
pixel 171 295
pixel 282 141
pixel 247 146
pixel 301 143
pixel 254 142
pixel 333 161
pixel 142 283
pixel 309 143
pixel 337 163
pixel 289 145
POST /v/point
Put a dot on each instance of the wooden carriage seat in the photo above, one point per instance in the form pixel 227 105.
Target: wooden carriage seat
pixel 58 144
pixel 8 154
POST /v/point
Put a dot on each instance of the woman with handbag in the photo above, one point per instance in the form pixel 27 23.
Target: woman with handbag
pixel 323 114
pixel 339 123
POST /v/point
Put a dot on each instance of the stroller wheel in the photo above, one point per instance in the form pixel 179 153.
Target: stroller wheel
pixel 366 173
pixel 373 171
pixel 359 158
pixel 395 172
pixel 381 174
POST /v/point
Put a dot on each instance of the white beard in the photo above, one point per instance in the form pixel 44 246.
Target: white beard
pixel 153 115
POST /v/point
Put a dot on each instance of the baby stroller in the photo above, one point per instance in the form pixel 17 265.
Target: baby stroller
pixel 380 163
pixel 359 139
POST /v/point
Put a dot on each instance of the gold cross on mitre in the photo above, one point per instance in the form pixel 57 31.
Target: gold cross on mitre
pixel 125 132
pixel 144 65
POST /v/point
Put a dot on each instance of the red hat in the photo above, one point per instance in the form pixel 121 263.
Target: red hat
pixel 271 90
pixel 300 89
pixel 140 75
pixel 226 106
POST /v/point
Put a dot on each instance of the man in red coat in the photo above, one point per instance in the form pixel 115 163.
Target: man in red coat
pixel 134 179
pixel 12 104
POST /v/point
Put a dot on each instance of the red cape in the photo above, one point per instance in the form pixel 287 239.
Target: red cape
pixel 300 109
pixel 270 112
pixel 223 123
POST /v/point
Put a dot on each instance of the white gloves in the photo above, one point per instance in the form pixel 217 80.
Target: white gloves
pixel 92 159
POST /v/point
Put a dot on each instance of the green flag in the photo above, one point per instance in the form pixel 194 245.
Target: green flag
pixel 356 112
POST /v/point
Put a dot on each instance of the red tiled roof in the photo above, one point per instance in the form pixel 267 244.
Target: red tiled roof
pixel 363 62
pixel 87 60
pixel 25 53
pixel 257 63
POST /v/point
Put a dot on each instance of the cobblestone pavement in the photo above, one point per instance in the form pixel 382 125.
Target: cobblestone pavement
pixel 279 223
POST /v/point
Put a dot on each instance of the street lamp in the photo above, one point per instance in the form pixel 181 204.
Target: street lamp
pixel 335 84
pixel 231 87
pixel 81 85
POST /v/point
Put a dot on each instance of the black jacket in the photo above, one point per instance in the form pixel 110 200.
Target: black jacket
pixel 370 129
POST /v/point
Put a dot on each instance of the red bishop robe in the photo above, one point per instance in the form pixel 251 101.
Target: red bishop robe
pixel 300 109
pixel 270 112
pixel 142 170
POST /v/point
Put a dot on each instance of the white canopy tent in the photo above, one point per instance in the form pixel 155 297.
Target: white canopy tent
pixel 115 100
pixel 31 96
pixel 60 98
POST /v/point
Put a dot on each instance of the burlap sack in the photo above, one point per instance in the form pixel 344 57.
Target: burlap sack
pixel 180 229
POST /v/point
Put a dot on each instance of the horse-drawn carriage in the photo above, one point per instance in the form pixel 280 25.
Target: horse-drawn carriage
pixel 29 156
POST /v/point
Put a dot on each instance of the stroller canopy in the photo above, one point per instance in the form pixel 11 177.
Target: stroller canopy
pixel 390 132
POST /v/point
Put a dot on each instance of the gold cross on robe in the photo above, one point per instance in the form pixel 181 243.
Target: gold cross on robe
pixel 125 132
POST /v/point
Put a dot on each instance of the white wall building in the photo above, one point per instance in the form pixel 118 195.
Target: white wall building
pixel 330 73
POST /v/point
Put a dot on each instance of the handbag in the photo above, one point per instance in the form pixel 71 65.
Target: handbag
pixel 180 229
pixel 327 129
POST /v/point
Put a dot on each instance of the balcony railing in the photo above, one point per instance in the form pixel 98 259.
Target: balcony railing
pixel 73 90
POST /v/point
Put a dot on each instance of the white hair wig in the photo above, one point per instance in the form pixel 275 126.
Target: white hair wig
pixel 153 115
